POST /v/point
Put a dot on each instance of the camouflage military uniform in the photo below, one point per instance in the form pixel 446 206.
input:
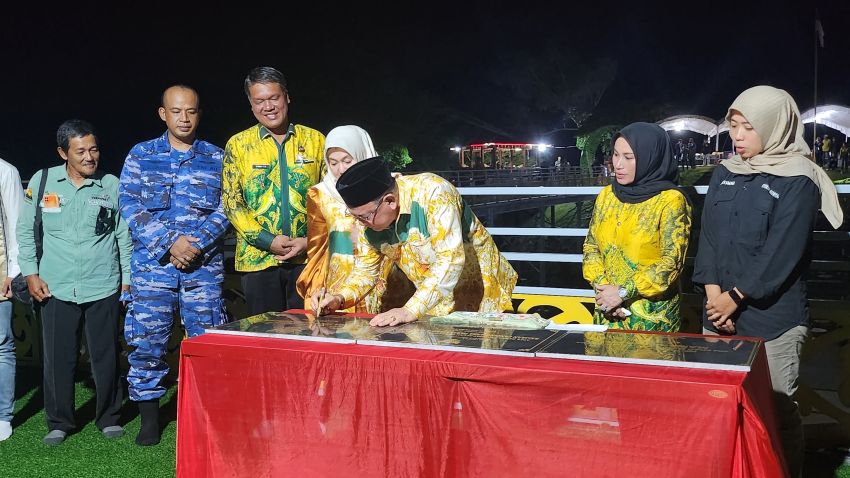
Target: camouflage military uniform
pixel 165 193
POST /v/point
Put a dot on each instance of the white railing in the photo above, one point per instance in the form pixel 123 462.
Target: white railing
pixel 572 232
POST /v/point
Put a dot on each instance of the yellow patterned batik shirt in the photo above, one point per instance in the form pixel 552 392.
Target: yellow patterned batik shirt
pixel 640 247
pixel 255 166
pixel 441 247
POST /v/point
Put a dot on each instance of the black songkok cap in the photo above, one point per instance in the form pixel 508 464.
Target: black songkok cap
pixel 364 182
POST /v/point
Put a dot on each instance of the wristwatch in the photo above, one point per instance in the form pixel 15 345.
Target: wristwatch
pixel 735 296
pixel 622 292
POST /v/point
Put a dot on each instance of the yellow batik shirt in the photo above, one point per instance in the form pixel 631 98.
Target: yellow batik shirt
pixel 331 245
pixel 640 247
pixel 441 247
pixel 255 167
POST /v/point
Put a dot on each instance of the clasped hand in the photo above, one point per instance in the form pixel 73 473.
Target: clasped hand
pixel 183 252
pixel 284 247
pixel 720 309
pixel 608 298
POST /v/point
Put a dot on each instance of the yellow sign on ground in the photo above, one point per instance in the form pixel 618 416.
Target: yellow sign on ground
pixel 559 309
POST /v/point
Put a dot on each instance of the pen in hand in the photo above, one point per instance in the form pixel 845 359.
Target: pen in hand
pixel 319 308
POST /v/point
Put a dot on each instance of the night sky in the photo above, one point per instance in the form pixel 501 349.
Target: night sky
pixel 435 76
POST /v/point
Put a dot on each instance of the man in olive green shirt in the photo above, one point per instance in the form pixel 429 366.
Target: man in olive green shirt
pixel 84 266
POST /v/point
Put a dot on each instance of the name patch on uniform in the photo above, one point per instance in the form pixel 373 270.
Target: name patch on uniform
pixel 771 191
pixel 260 166
pixel 727 183
pixel 102 202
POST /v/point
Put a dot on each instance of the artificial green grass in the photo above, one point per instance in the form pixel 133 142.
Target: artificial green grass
pixel 86 453
pixel 826 463
pixel 695 176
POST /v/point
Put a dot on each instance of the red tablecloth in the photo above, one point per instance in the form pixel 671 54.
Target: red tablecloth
pixel 264 407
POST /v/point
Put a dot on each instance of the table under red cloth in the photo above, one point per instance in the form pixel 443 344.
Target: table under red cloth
pixel 268 407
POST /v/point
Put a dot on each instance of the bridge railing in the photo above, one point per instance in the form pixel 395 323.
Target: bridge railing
pixel 524 176
pixel 527 193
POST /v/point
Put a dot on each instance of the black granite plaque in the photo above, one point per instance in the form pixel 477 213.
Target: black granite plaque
pixel 495 340
pixel 418 334
pixel 295 326
pixel 711 352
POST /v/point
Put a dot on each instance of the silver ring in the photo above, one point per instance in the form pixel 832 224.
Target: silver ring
pixel 603 308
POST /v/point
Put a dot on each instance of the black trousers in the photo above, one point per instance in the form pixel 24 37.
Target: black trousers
pixel 61 332
pixel 272 289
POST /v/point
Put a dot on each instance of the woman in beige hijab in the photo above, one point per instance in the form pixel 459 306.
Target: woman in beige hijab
pixel 754 243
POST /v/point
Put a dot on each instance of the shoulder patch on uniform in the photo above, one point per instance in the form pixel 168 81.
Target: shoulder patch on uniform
pixel 28 193
pixel 770 191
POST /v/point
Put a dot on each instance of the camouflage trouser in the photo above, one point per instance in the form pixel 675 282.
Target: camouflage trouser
pixel 147 328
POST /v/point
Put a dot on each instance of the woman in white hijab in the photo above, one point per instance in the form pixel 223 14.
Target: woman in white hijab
pixel 755 241
pixel 331 230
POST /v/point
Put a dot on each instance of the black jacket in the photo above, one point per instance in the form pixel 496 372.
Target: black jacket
pixel 756 236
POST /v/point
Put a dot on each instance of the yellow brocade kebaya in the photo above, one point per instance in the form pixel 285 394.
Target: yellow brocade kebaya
pixel 640 247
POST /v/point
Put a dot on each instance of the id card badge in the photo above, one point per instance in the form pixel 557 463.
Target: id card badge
pixel 301 160
pixel 50 203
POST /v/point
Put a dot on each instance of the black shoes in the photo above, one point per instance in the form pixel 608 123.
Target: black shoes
pixel 149 413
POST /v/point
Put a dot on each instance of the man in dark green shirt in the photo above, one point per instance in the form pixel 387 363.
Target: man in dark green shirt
pixel 84 266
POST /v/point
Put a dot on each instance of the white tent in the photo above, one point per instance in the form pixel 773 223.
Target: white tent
pixel 834 116
pixel 698 124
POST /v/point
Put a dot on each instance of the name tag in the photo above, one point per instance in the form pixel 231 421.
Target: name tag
pixel 727 183
pixel 300 159
pixel 260 166
pixel 101 202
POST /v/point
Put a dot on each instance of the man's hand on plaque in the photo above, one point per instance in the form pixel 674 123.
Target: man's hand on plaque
pixel 392 317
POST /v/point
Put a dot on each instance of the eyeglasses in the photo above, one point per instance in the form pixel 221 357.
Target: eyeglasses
pixel 368 218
